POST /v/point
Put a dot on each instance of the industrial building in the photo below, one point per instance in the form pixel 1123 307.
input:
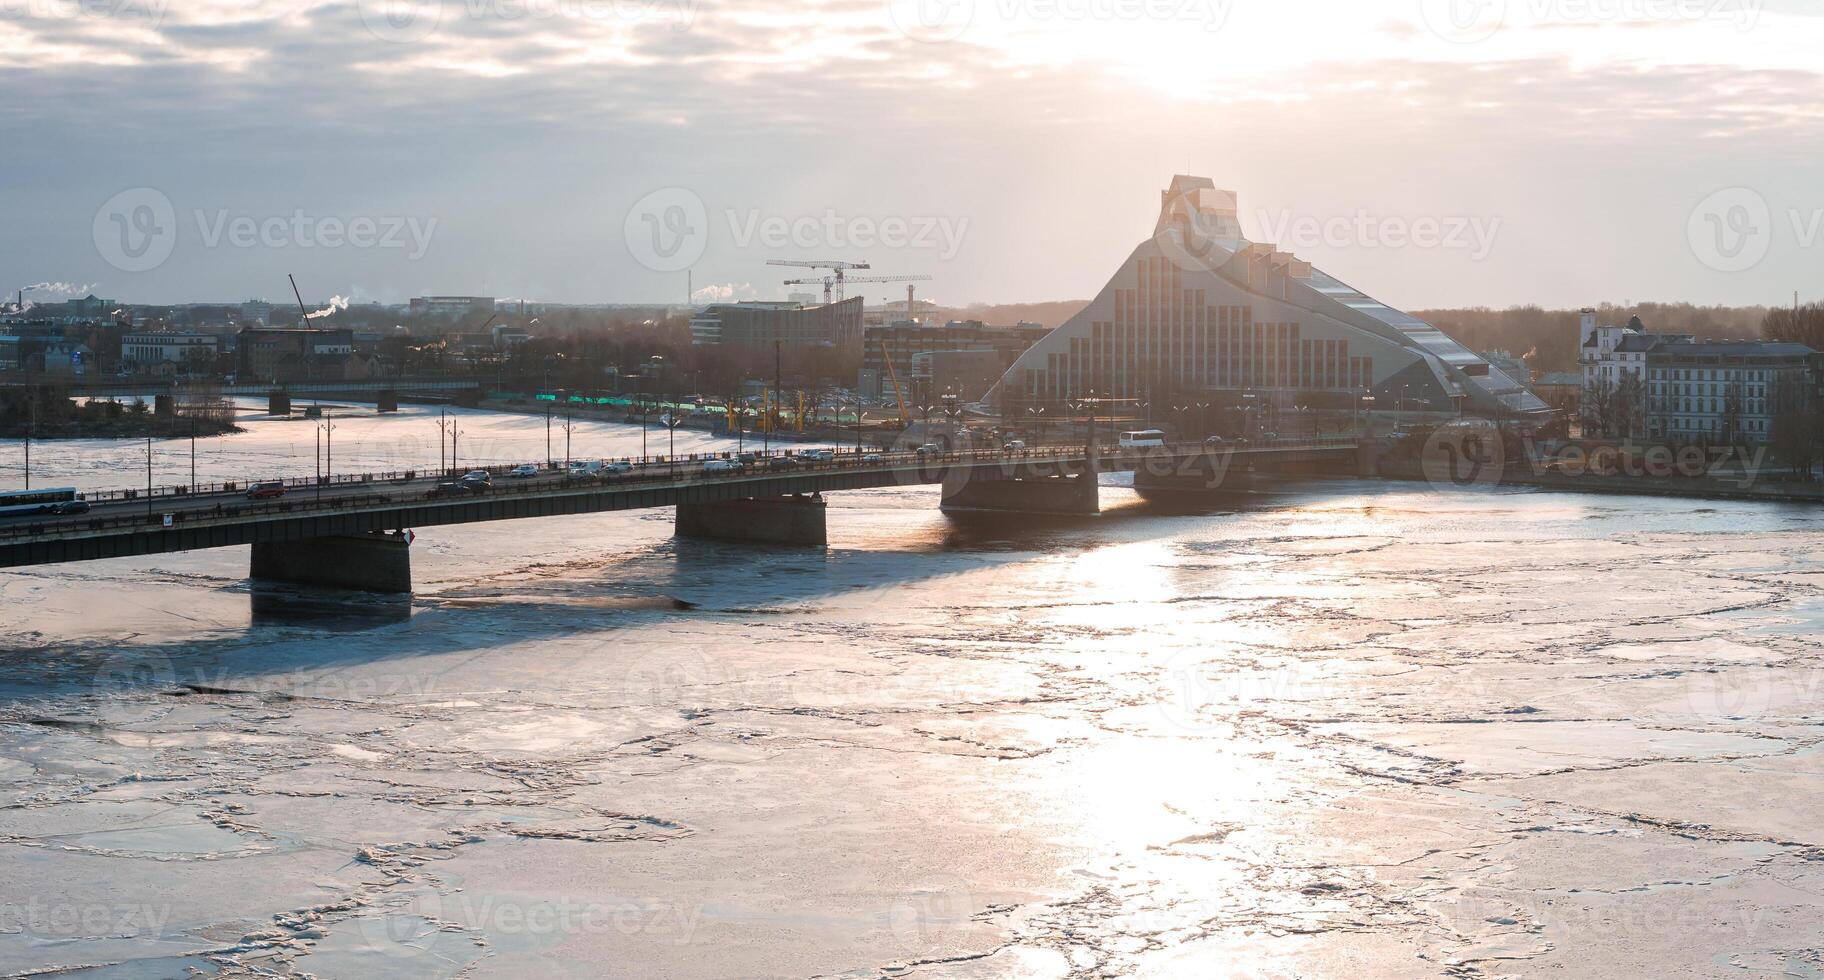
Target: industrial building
pixel 931 359
pixel 1198 310
pixel 756 325
pixel 166 352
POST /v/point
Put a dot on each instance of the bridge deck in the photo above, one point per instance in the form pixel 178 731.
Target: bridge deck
pixel 123 523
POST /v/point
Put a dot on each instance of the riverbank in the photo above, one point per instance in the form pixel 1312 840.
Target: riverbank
pixel 1725 484
pixel 127 426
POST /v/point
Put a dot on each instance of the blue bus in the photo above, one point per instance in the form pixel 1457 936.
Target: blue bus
pixel 63 500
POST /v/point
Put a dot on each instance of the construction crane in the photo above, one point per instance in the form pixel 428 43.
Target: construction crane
pixel 836 282
pixel 839 271
pixel 905 411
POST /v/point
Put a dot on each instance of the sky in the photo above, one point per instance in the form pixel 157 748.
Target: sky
pixel 1430 152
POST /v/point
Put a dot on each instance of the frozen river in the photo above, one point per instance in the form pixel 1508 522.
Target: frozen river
pixel 1346 730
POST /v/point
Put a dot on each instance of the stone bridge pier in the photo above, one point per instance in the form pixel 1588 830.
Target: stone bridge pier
pixel 1026 488
pixel 378 562
pixel 798 520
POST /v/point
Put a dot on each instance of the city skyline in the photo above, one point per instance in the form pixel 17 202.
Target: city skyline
pixel 574 152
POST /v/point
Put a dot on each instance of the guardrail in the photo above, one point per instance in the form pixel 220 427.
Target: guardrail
pixel 645 470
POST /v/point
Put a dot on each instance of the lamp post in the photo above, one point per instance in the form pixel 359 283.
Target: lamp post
pixel 671 423
pixel 548 409
pixel 148 476
pixel 569 426
pixel 1247 415
pixel 1038 422
pixel 443 431
pixel 953 410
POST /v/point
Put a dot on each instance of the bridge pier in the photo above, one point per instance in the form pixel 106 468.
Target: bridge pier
pixel 797 520
pixel 1021 490
pixel 378 562
pixel 1207 473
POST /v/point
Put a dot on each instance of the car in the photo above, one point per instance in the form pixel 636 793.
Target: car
pixel 783 462
pixel 70 507
pixel 930 449
pixel 453 488
pixel 1014 446
pixel 1213 441
pixel 817 455
pixel 723 467
pixel 586 467
pixel 266 491
pixel 523 471
pixel 871 458
pixel 748 458
pixel 621 466
pixel 477 480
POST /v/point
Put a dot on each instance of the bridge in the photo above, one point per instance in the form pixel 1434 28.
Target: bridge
pixel 350 530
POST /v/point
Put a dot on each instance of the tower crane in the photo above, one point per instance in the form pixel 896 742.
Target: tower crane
pixel 838 270
pixel 836 282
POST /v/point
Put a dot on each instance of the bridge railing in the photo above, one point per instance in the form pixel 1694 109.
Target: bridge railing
pixel 232 503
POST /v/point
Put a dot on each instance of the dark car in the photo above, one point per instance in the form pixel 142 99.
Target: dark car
pixel 455 488
pixel 265 491
pixel 70 507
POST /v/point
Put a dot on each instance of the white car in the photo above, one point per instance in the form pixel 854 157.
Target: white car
pixel 523 471
pixel 817 455
pixel 621 466
pixel 871 458
pixel 723 467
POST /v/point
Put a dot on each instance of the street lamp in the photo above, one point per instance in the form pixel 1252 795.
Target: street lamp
pixel 1038 420
pixel 569 426
pixel 671 423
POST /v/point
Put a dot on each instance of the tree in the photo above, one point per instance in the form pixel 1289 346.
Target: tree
pixel 1799 325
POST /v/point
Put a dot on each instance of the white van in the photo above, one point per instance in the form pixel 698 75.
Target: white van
pixel 1143 439
pixel 585 467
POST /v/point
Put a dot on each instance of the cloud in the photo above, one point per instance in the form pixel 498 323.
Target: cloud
pixel 723 293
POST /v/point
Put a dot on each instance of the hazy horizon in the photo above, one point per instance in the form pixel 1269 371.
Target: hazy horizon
pixel 1553 152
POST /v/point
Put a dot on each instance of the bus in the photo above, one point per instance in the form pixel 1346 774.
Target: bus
pixel 1143 439
pixel 64 500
